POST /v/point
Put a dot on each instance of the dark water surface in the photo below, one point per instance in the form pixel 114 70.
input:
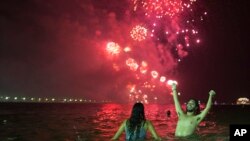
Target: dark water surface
pixel 99 122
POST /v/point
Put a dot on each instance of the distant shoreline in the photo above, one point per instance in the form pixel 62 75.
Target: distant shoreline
pixel 97 102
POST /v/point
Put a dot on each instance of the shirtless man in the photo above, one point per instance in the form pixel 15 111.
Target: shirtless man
pixel 187 122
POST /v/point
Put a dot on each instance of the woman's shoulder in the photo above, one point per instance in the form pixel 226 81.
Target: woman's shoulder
pixel 148 122
pixel 125 121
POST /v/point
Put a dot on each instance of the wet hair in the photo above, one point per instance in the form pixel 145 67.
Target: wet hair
pixel 198 110
pixel 137 119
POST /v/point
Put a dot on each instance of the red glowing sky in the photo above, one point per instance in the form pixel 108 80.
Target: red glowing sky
pixel 57 49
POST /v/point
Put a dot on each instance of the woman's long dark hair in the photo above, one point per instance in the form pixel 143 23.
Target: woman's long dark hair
pixel 137 119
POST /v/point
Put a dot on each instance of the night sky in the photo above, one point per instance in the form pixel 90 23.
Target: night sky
pixel 54 48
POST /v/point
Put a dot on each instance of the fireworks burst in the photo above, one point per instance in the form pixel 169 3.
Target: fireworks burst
pixel 171 27
pixel 161 8
pixel 138 33
pixel 113 48
pixel 144 67
pixel 132 64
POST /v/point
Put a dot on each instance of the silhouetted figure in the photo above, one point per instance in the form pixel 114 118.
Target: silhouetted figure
pixel 168 113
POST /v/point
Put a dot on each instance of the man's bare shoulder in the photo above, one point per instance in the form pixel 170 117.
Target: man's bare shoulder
pixel 183 116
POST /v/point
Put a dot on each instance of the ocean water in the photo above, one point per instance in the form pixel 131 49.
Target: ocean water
pixel 99 122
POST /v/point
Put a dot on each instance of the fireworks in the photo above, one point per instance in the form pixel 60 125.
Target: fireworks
pixel 127 49
pixel 144 67
pixel 138 33
pixel 171 22
pixel 116 67
pixel 198 41
pixel 113 48
pixel 154 74
pixel 162 79
pixel 132 64
pixel 170 27
pixel 161 8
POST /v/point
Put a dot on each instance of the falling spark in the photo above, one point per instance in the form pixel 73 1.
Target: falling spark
pixel 162 78
pixel 127 49
pixel 154 74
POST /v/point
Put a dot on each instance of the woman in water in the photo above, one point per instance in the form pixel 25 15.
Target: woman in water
pixel 136 126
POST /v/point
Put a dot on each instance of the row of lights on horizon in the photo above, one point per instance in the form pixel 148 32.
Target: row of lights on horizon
pixel 32 99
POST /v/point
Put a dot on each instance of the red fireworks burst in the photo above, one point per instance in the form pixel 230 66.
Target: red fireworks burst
pixel 113 48
pixel 132 64
pixel 144 67
pixel 138 33
pixel 160 8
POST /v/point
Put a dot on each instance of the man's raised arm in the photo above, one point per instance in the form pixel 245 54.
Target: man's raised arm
pixel 176 100
pixel 202 115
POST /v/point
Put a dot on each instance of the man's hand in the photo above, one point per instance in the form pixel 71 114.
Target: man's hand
pixel 212 93
pixel 173 86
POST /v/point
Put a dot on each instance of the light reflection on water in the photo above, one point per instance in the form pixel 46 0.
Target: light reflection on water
pixel 67 122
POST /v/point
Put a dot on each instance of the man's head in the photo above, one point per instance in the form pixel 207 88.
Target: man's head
pixel 193 106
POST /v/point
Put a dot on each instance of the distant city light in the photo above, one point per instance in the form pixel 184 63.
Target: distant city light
pixel 242 101
pixel 49 100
